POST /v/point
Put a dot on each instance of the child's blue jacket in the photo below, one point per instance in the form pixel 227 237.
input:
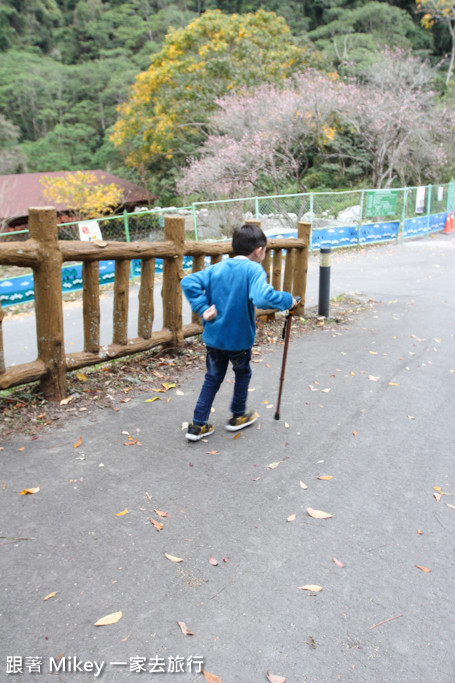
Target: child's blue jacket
pixel 235 286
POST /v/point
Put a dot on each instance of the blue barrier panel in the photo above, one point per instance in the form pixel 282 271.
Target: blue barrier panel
pixel 379 232
pixel 349 236
pixel 437 221
pixel 334 237
pixel 424 224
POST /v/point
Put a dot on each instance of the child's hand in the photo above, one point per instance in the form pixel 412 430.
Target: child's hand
pixel 210 313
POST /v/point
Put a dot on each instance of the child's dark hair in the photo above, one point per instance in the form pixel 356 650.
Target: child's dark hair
pixel 247 238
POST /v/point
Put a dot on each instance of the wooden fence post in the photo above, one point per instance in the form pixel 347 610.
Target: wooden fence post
pixel 47 275
pixel 146 303
pixel 198 264
pixel 91 305
pixel 174 231
pixel 2 353
pixel 301 266
pixel 121 289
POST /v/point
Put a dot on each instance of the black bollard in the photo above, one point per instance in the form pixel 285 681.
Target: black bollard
pixel 325 259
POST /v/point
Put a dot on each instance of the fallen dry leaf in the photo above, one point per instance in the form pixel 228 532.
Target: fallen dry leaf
pixel 450 506
pixel 161 513
pixel 120 514
pixel 290 518
pixel 337 562
pixel 437 496
pixel 273 465
pixel 158 526
pixel 32 490
pixel 184 629
pixel 275 679
pixel 65 401
pixel 78 442
pixel 318 514
pixel 172 558
pixel 423 569
pixel 437 488
pixel 237 435
pixel 373 378
pixel 150 400
pixel 311 587
pixel 211 678
pixel 179 392
pixel 51 595
pixel 211 452
pixel 325 477
pixel 81 377
pixel 109 619
pixel 213 561
pixel 419 531
pixel 354 433
pixel 302 485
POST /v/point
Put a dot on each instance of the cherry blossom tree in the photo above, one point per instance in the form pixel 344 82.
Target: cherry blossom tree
pixel 398 120
pixel 265 140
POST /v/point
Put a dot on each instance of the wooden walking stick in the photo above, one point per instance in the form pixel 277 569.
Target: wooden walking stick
pixel 286 333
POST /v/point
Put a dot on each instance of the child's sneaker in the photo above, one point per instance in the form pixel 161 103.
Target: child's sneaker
pixel 245 420
pixel 196 432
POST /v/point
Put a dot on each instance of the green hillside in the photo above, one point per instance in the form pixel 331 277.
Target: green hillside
pixel 67 65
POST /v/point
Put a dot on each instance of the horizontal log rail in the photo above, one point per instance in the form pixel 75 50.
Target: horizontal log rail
pixel 45 254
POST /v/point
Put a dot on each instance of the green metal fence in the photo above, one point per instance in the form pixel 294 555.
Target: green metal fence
pixel 354 210
pixel 326 210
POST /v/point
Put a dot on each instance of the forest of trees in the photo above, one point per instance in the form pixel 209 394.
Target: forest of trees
pixel 152 91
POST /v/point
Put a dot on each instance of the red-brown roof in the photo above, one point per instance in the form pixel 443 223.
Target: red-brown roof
pixel 20 191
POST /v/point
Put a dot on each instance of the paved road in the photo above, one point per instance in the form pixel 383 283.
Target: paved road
pixel 384 433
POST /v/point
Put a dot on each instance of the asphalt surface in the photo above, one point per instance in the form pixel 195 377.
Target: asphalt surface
pixel 369 404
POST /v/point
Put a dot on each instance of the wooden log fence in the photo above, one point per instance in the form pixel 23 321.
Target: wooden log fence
pixel 45 254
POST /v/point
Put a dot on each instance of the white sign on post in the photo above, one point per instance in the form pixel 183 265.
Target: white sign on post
pixel 89 230
pixel 420 199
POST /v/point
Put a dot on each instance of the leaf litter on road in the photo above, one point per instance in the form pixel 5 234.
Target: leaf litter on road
pixel 172 558
pixel 184 629
pixel 275 679
pixel 318 514
pixel 109 619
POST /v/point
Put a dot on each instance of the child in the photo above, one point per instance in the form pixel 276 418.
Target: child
pixel 225 295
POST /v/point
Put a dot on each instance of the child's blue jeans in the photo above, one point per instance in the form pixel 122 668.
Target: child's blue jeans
pixel 217 362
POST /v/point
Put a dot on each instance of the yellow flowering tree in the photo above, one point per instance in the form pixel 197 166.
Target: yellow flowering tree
pixel 165 118
pixel 82 193
pixel 441 11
